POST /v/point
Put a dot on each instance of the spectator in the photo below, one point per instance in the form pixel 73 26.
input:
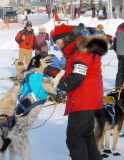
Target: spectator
pixel 48 10
pixel 97 10
pixel 85 32
pixel 69 10
pixel 25 38
pixel 51 39
pixel 79 11
pixel 75 12
pixel 82 77
pixel 53 12
pixel 99 30
pixel 104 12
pixel 93 12
pixel 119 49
pixel 41 42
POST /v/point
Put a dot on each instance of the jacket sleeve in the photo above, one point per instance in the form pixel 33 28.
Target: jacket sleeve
pixel 18 37
pixel 52 71
pixel 114 42
pixel 75 79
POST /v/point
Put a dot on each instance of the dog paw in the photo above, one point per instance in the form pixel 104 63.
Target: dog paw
pixel 104 155
pixel 108 151
pixel 116 154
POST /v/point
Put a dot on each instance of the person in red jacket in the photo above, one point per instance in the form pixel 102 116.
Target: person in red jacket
pixel 84 86
pixel 25 38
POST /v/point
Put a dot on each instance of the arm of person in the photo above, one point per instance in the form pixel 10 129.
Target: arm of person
pixel 114 44
pixel 75 79
pixel 18 38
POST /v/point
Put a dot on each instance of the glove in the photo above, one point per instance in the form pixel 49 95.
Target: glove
pixel 61 97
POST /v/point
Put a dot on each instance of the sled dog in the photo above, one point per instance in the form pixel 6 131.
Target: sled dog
pixel 104 123
pixel 20 66
pixel 18 138
pixel 7 107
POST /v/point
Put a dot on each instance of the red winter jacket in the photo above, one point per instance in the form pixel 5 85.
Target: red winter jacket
pixel 88 95
pixel 28 43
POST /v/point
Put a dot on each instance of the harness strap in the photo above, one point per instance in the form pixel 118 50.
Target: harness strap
pixel 26 110
pixel 6 124
pixel 111 114
pixel 2 136
pixel 29 90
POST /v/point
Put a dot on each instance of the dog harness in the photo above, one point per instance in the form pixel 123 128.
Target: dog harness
pixel 110 113
pixel 33 87
pixel 6 124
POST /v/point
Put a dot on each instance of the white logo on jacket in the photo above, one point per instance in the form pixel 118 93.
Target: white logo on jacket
pixel 80 69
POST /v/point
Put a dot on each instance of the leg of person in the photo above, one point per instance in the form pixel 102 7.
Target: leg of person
pixel 93 153
pixel 22 57
pixel 28 56
pixel 22 54
pixel 77 128
pixel 120 73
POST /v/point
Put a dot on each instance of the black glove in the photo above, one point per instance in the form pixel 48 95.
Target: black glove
pixel 60 97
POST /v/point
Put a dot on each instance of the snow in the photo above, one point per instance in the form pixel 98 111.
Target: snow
pixel 48 142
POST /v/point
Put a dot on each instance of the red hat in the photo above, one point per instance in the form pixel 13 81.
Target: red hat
pixel 61 31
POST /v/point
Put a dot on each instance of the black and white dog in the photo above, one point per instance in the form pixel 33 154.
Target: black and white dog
pixel 107 119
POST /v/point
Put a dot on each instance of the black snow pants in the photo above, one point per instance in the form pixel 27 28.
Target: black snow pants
pixel 120 73
pixel 80 136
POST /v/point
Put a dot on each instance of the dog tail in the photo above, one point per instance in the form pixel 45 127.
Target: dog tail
pixel 5 145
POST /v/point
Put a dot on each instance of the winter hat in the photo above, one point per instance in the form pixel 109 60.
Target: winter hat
pixel 100 27
pixel 81 24
pixel 61 31
pixel 28 24
pixel 41 26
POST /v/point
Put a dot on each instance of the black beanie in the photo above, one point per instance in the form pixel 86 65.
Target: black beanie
pixel 28 24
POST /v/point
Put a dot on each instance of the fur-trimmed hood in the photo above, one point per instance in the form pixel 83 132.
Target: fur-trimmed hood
pixel 93 44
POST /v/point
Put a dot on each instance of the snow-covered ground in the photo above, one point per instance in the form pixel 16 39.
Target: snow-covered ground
pixel 48 142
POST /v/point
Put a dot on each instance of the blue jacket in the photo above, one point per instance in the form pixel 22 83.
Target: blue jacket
pixel 86 33
pixel 99 33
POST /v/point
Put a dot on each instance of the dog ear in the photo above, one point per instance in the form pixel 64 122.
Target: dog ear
pixel 13 61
